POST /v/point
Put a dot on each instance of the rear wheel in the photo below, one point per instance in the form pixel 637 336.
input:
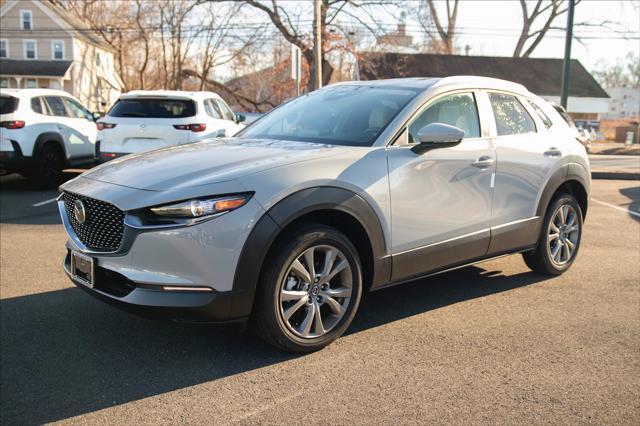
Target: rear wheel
pixel 559 238
pixel 47 172
pixel 310 289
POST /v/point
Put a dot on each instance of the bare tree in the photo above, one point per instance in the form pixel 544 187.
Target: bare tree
pixel 623 74
pixel 536 22
pixel 442 36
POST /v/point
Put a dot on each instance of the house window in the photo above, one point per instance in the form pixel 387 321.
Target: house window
pixel 57 49
pixel 32 83
pixel 26 20
pixel 30 49
pixel 4 48
pixel 4 83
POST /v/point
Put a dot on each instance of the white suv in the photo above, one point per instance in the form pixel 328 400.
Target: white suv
pixel 41 132
pixel 145 120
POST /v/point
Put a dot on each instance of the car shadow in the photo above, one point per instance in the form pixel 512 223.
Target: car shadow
pixel 633 194
pixel 21 203
pixel 64 353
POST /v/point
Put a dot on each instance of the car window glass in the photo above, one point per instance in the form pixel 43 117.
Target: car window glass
pixel 457 110
pixel 211 109
pixel 353 115
pixel 8 104
pixel 511 117
pixel 56 106
pixel 544 117
pixel 153 108
pixel 36 106
pixel 78 110
pixel 226 111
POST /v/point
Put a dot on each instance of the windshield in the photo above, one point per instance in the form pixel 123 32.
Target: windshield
pixel 337 115
pixel 153 108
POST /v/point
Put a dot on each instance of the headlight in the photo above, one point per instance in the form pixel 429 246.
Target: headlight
pixel 201 207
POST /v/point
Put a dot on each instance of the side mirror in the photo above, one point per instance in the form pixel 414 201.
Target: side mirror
pixel 437 135
pixel 96 115
pixel 240 117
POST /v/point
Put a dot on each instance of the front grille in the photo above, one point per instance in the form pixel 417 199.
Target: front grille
pixel 103 228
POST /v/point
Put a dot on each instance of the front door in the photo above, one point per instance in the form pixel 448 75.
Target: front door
pixel 441 199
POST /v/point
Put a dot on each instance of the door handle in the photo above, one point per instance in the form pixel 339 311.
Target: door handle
pixel 553 152
pixel 483 162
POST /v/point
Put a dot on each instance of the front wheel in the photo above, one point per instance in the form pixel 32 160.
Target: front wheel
pixel 310 289
pixel 559 238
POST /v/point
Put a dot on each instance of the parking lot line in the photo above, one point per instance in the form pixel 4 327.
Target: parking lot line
pixel 42 203
pixel 631 212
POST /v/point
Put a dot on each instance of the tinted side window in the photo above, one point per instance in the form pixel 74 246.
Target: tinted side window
pixel 456 110
pixel 36 106
pixel 544 117
pixel 78 110
pixel 224 108
pixel 56 106
pixel 211 109
pixel 511 117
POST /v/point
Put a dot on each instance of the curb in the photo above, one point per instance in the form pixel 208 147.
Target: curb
pixel 615 175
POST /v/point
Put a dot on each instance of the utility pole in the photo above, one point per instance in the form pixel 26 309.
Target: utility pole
pixel 567 57
pixel 317 44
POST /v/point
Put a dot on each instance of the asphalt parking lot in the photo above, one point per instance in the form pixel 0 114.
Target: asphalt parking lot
pixel 493 343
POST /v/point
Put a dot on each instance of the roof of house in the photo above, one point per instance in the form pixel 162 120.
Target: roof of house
pixel 34 67
pixel 538 75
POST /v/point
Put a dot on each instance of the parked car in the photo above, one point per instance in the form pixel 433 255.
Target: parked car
pixel 583 136
pixel 351 188
pixel 146 120
pixel 43 131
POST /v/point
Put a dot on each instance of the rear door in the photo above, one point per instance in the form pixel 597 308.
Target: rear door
pixel 525 160
pixel 146 123
pixel 74 142
pixel 83 128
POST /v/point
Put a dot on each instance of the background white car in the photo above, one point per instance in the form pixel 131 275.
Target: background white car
pixel 145 120
pixel 43 131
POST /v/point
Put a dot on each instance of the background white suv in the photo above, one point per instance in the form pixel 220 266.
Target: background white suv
pixel 41 132
pixel 145 120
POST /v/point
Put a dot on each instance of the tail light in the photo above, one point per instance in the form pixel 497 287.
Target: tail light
pixel 201 127
pixel 15 124
pixel 101 125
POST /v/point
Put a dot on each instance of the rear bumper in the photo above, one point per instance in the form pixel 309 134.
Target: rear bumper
pixel 12 160
pixel 152 302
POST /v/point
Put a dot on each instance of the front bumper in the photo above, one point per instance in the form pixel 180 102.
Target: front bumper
pixel 158 304
pixel 149 259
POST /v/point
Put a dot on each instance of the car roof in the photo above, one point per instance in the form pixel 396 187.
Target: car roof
pixel 179 94
pixel 19 93
pixel 452 82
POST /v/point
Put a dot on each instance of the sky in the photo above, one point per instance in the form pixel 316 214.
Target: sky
pixel 501 21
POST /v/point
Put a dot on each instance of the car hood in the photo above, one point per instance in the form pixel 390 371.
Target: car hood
pixel 203 163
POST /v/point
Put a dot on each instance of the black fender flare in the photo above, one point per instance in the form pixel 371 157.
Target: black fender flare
pixel 568 172
pixel 46 137
pixel 287 210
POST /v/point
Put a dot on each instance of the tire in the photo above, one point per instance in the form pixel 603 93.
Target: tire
pixel 47 171
pixel 292 324
pixel 555 254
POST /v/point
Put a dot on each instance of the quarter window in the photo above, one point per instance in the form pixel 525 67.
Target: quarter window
pixel 26 20
pixel 36 106
pixel 4 49
pixel 457 110
pixel 544 117
pixel 56 106
pixel 511 117
pixel 30 49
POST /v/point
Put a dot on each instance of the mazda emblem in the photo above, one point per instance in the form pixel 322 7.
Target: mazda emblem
pixel 79 211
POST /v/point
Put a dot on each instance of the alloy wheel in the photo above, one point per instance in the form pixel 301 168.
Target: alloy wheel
pixel 316 291
pixel 563 234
